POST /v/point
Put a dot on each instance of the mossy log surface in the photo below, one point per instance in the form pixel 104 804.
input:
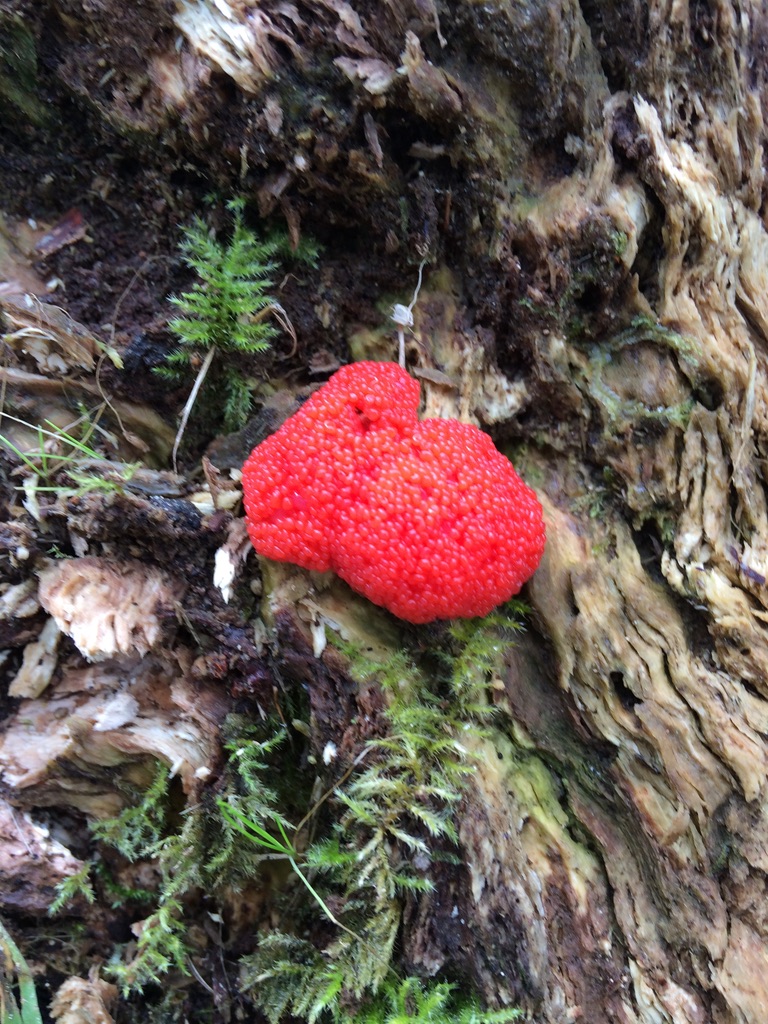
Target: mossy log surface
pixel 586 183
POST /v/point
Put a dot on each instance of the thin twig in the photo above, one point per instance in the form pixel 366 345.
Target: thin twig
pixel 329 792
pixel 202 374
pixel 199 976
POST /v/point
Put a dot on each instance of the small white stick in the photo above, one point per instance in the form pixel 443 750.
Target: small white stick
pixel 202 374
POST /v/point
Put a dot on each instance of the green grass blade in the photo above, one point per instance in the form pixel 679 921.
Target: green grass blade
pixel 27 1010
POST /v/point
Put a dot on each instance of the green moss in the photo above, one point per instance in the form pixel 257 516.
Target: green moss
pixel 224 312
pixel 619 241
pixel 202 850
pixel 422 1002
pixel 393 816
pixel 379 828
pixel 619 410
pixel 72 887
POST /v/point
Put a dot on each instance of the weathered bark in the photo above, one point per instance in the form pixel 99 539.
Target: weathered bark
pixel 587 183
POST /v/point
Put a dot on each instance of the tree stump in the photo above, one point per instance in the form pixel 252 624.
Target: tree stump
pixel 584 183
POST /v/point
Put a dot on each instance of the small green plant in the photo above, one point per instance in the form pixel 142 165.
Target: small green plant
pixel 225 313
pixel 67 465
pixel 392 815
pixel 204 851
pixel 73 886
pixel 417 1002
pixel 279 846
pixel 18 999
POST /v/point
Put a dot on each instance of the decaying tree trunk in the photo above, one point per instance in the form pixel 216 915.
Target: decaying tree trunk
pixel 586 183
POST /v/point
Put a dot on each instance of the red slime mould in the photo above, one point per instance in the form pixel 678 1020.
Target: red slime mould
pixel 423 517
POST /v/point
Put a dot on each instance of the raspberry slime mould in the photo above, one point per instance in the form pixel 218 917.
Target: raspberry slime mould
pixel 423 517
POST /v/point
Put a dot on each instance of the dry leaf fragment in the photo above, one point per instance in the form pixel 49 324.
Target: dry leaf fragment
pixel 273 115
pixel 70 229
pixel 372 138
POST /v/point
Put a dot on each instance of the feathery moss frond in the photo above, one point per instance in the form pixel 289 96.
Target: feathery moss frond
pixel 381 846
pixel 78 884
pixel 206 851
pixel 413 1001
pixel 393 818
pixel 225 311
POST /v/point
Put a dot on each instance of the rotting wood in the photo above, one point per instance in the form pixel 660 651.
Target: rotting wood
pixel 611 159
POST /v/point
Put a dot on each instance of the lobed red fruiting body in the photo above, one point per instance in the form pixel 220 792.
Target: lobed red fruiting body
pixel 425 518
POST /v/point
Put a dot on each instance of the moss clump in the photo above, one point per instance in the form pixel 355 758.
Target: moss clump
pixel 380 827
pixel 201 851
pixel 224 312
pixel 394 814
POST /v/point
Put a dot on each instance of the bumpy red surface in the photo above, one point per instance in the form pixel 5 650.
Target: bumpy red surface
pixel 425 518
